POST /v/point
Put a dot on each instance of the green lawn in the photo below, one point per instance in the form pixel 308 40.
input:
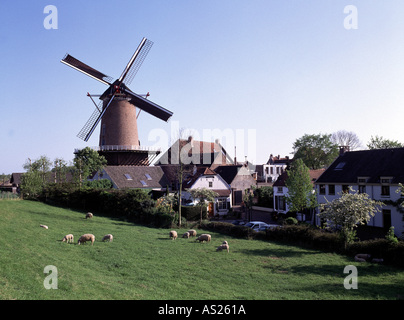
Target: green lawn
pixel 142 263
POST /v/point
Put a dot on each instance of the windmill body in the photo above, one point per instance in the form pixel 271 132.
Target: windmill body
pixel 119 139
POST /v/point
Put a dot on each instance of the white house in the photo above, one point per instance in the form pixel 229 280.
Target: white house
pixel 375 172
pixel 203 177
pixel 274 168
pixel 281 191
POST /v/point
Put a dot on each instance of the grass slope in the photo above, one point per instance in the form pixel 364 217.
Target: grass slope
pixel 142 263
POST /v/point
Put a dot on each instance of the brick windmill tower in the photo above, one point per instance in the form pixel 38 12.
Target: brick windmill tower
pixel 119 139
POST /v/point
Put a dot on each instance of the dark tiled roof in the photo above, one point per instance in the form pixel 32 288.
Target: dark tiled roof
pixel 228 173
pixel 132 176
pixel 372 164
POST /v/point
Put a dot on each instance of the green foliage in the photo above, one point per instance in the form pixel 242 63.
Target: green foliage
pixel 349 210
pixel 31 184
pixel 204 196
pixel 390 236
pixel 291 220
pixel 265 196
pixel 98 184
pixel 87 161
pixel 316 150
pixel 300 189
pixel 381 143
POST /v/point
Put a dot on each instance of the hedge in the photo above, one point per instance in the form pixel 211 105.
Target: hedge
pixel 309 236
pixel 134 205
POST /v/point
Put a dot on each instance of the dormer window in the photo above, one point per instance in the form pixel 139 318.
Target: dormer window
pixel 340 166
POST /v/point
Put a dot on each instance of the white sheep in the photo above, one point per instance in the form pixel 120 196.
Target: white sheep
pixel 108 237
pixel 173 234
pixel 43 226
pixel 89 215
pixel 361 257
pixel 185 235
pixel 223 246
pixel 67 238
pixel 204 237
pixel 86 237
pixel 192 233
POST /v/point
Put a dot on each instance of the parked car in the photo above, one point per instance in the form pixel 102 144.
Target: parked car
pixel 238 222
pixel 269 226
pixel 259 225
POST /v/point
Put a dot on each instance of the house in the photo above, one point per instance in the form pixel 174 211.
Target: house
pixel 135 177
pixel 375 172
pixel 239 178
pixel 204 177
pixel 193 152
pixel 274 167
pixel 15 182
pixel 281 191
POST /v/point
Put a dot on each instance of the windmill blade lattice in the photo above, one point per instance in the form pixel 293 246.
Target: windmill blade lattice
pixel 136 60
pixel 90 123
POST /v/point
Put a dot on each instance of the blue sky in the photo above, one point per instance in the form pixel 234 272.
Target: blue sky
pixel 259 73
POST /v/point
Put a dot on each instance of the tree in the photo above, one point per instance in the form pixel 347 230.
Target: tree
pixel 348 211
pixel 41 165
pixel 88 161
pixel 300 189
pixel 381 143
pixel 345 138
pixel 204 196
pixel 316 150
pixel 31 184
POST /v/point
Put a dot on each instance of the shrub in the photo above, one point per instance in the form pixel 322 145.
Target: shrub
pixel 291 220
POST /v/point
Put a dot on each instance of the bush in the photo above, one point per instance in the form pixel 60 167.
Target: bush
pixel 193 213
pixel 291 220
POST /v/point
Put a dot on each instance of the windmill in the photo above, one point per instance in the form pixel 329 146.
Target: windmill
pixel 119 139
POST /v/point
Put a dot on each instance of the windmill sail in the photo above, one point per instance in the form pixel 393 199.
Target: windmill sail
pixel 136 61
pixel 86 132
pixel 82 67
pixel 148 106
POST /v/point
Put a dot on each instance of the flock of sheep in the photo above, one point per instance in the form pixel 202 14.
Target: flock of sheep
pixel 109 237
pixel 203 237
pixel 85 237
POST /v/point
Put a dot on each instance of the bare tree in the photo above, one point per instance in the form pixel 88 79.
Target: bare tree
pixel 346 139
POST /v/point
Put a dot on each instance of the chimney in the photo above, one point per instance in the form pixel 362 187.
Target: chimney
pixel 343 149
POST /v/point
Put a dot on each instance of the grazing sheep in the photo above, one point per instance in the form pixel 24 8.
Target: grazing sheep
pixel 67 238
pixel 185 235
pixel 361 257
pixel 225 242
pixel 204 237
pixel 223 246
pixel 173 234
pixel 89 215
pixel 86 237
pixel 192 233
pixel 108 237
pixel 43 226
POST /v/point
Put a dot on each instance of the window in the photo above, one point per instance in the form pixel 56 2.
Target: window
pixel 362 189
pixel 345 188
pixel 280 189
pixel 210 184
pixel 148 176
pixel 272 170
pixel 385 191
pixel 331 189
pixel 340 166
pixel 321 188
pixel 221 203
pixel 127 176
pixel 144 184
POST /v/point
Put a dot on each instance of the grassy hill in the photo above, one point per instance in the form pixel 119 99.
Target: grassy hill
pixel 143 263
